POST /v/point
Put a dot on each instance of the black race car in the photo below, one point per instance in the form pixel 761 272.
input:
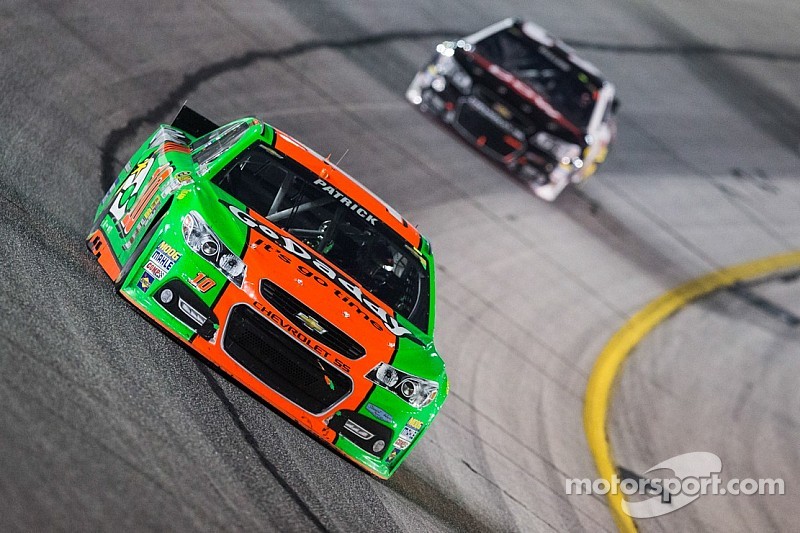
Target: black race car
pixel 524 99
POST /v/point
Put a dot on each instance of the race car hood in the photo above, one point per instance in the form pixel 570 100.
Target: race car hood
pixel 314 300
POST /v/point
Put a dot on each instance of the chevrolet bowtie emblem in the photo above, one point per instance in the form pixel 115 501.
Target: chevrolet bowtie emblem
pixel 502 110
pixel 311 323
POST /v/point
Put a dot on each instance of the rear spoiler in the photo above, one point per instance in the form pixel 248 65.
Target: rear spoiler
pixel 192 122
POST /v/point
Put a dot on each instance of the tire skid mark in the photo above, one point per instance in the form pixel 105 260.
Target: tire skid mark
pixel 193 80
pixel 253 443
pixel 685 50
pixel 609 363
pixel 506 493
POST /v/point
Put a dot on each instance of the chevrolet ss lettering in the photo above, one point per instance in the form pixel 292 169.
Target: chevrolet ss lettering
pixel 284 273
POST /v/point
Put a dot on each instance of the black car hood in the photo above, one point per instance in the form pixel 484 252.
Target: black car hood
pixel 531 111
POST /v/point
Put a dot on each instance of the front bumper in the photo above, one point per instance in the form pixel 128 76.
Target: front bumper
pixel 353 428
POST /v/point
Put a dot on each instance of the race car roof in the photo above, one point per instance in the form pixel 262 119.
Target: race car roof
pixel 348 186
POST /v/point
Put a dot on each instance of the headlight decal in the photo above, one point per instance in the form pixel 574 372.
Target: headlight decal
pixel 203 241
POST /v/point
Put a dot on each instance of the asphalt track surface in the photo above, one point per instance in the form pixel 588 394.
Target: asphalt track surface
pixel 108 424
pixel 737 395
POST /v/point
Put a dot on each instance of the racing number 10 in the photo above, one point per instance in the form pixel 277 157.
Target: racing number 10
pixel 203 282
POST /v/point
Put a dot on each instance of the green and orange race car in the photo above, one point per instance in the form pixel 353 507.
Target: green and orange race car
pixel 286 274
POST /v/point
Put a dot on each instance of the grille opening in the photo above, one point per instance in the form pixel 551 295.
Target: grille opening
pixel 281 363
pixel 474 124
pixel 291 307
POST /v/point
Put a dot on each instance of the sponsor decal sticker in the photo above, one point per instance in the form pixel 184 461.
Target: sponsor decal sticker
pixel 414 423
pixel 379 413
pixel 169 250
pixel 163 259
pixel 408 433
pixel 150 211
pixel 154 270
pixel 145 282
pixel 177 181
pixel 183 177
pixel 401 443
pixel 129 190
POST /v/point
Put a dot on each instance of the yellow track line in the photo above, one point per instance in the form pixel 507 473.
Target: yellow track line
pixel 609 363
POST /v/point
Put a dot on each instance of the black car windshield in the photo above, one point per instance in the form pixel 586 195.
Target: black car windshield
pixel 565 86
pixel 293 198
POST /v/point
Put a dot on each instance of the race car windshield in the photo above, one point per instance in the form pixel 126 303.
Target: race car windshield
pixel 294 199
pixel 567 88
